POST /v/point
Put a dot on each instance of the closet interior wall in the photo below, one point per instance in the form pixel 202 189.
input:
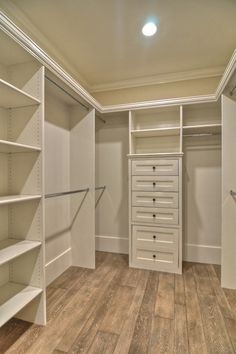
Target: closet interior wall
pixel 112 147
pixel 69 166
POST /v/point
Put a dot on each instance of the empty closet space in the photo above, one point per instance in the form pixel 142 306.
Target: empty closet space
pixel 69 180
pixel 21 185
pixel 202 182
pixel 112 147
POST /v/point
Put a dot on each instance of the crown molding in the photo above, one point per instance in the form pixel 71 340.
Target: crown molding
pixel 159 79
pixel 22 20
pixel 159 103
pixel 229 70
pixel 30 46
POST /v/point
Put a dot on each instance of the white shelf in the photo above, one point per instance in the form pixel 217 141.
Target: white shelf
pixel 177 154
pixel 11 147
pixel 202 129
pixel 13 298
pixel 12 97
pixel 142 133
pixel 12 248
pixel 9 199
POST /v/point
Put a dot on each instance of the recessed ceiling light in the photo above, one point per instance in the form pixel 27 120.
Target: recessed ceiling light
pixel 149 29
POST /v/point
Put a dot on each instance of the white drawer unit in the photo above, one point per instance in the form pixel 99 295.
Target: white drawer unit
pixel 163 167
pixel 155 199
pixel 155 183
pixel 155 215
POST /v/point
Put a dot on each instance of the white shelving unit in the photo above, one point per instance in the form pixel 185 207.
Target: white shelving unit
pixel 155 180
pixel 21 186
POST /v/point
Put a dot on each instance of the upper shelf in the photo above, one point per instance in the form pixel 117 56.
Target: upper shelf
pixel 12 97
pixel 9 199
pixel 11 147
pixel 142 133
pixel 202 129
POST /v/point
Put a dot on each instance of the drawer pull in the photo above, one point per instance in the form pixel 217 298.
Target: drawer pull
pixel 154 237
pixel 154 168
pixel 154 215
pixel 154 184
pixel 154 200
pixel 154 256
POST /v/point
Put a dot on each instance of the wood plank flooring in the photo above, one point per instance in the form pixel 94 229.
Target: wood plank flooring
pixel 115 309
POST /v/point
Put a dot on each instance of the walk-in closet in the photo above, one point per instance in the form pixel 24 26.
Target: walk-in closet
pixel 117 177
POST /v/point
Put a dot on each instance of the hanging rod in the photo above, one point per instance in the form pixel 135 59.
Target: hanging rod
pixel 102 188
pixel 62 89
pixel 97 188
pixel 52 195
pixel 232 91
pixel 101 119
pixel 200 134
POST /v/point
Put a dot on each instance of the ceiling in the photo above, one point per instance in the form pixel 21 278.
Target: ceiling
pixel 102 40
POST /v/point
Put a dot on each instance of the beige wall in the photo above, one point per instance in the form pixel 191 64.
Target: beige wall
pixel 157 92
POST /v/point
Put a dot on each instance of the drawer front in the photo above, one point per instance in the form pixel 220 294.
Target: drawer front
pixel 155 256
pixel 155 183
pixel 155 199
pixel 155 215
pixel 147 237
pixel 155 167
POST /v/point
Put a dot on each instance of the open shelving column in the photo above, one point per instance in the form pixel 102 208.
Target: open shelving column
pixel 155 188
pixel 22 284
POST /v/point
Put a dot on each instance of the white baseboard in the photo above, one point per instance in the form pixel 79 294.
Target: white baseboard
pixel 112 244
pixel 202 253
pixel 57 266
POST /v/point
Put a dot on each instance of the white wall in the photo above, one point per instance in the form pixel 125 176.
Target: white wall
pixel 57 179
pixel 112 171
pixel 202 200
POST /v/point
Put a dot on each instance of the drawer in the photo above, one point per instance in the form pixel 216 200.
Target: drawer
pixel 155 199
pixel 155 183
pixel 146 237
pixel 163 260
pixel 155 167
pixel 155 256
pixel 155 215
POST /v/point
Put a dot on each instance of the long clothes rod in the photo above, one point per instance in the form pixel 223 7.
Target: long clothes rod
pixel 103 187
pixel 54 195
pixel 71 96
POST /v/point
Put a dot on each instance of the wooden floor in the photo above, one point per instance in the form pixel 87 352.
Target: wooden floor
pixel 114 309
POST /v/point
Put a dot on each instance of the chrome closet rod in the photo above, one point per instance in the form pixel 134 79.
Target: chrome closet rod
pixel 232 91
pixel 62 89
pixel 97 188
pixel 200 134
pixel 73 98
pixel 52 195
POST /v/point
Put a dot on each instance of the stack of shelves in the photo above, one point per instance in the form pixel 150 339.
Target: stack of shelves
pixel 155 196
pixel 21 187
pixel 155 132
